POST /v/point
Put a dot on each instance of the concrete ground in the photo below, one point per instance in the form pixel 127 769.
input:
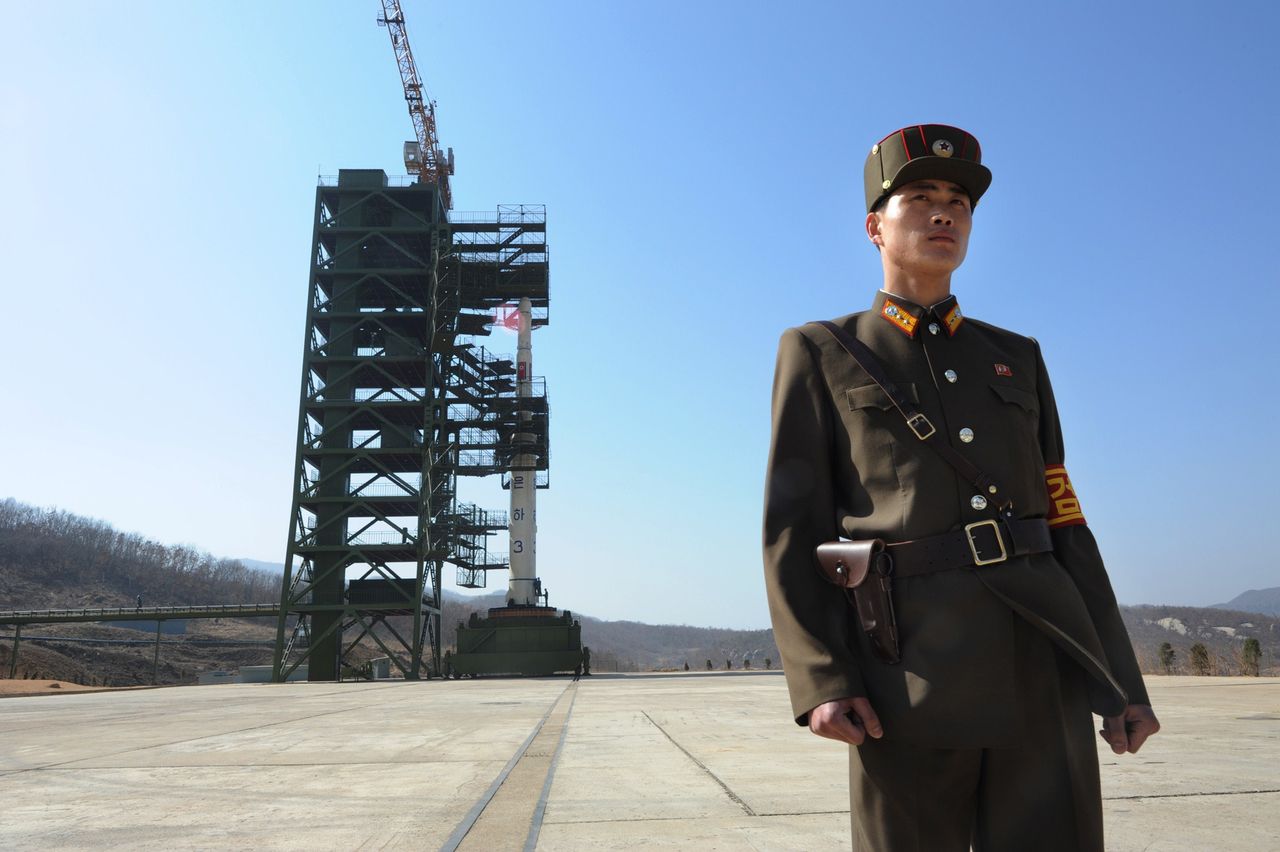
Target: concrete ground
pixel 682 761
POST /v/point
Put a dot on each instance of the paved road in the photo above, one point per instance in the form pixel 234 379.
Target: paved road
pixel 706 761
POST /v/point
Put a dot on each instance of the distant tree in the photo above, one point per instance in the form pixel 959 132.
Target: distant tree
pixel 1199 659
pixel 1168 657
pixel 686 666
pixel 708 665
pixel 728 664
pixel 746 664
pixel 768 663
pixel 1250 657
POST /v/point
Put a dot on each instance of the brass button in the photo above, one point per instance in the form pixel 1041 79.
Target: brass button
pixel 951 376
pixel 966 434
pixel 978 502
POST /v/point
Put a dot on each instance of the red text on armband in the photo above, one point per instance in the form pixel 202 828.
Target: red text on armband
pixel 1064 506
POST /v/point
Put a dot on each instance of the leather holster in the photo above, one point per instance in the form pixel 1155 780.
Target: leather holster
pixel 863 570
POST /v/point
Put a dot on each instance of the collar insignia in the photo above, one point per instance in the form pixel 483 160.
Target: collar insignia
pixel 900 317
pixel 952 320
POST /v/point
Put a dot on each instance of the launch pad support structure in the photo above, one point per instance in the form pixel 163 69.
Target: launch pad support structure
pixel 522 637
pixel 397 401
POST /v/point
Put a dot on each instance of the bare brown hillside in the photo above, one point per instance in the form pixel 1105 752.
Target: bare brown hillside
pixel 56 560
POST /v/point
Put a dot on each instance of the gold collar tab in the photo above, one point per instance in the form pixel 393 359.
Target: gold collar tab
pixel 953 319
pixel 900 317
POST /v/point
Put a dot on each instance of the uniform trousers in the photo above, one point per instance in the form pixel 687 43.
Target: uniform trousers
pixel 1043 793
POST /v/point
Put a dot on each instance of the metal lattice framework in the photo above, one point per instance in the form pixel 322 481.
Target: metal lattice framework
pixel 396 402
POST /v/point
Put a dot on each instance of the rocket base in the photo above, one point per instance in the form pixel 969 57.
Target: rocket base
pixel 518 640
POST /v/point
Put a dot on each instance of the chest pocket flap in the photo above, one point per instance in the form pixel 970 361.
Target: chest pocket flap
pixel 1017 396
pixel 871 396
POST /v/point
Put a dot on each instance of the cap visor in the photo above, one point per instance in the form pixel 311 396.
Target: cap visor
pixel 974 177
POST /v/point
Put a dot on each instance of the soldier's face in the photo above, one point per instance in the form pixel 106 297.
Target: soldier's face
pixel 923 227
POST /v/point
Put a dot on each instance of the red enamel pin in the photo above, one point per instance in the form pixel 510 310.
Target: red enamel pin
pixel 1003 370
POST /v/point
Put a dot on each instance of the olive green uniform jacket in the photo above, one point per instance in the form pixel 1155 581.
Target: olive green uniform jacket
pixel 842 464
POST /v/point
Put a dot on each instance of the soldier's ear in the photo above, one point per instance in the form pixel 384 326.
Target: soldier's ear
pixel 873 229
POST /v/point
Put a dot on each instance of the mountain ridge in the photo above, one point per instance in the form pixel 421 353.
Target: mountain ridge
pixel 1263 601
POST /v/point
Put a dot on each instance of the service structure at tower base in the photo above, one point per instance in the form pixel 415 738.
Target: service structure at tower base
pixel 519 640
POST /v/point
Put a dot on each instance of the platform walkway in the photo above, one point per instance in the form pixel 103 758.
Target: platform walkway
pixel 685 761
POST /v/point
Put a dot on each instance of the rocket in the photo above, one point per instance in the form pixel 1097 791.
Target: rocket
pixel 522 587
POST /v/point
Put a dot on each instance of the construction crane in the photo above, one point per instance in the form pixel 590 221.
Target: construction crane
pixel 423 157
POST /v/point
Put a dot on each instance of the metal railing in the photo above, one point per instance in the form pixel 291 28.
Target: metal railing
pixel 152 613
pixel 383 537
pixel 392 180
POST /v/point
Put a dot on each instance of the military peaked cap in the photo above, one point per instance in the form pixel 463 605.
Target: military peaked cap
pixel 924 151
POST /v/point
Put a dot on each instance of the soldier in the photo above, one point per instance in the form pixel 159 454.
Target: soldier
pixel 933 439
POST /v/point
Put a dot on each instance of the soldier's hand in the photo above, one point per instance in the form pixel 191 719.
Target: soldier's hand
pixel 849 720
pixel 1130 730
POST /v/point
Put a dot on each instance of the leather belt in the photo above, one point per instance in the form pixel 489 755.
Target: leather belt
pixel 982 543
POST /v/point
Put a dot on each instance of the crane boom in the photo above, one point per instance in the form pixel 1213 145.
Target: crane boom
pixel 431 163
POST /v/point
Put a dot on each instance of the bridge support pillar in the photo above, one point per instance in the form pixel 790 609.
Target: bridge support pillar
pixel 155 662
pixel 13 658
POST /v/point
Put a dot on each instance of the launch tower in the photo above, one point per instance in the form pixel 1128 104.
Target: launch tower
pixel 397 401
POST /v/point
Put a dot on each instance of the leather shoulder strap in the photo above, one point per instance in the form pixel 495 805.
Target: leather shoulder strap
pixel 919 425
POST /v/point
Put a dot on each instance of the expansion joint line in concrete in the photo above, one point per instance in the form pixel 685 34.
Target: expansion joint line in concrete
pixel 620 820
pixel 459 834
pixel 723 786
pixel 531 842
pixel 1197 795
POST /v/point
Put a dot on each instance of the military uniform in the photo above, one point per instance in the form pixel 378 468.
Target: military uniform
pixel 976 667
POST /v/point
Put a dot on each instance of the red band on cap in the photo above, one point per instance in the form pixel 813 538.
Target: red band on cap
pixel 923 141
pixel 903 133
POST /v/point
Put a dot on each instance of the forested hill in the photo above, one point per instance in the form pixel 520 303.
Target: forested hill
pixel 1221 635
pixel 50 559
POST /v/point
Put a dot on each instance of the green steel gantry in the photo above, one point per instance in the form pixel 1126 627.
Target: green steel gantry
pixel 397 401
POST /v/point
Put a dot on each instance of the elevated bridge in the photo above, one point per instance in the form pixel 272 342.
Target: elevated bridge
pixel 141 613
pixel 158 614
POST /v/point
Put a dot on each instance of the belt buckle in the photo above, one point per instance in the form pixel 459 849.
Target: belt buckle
pixel 973 547
pixel 921 426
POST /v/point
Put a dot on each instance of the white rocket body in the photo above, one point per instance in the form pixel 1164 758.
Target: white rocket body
pixel 522 585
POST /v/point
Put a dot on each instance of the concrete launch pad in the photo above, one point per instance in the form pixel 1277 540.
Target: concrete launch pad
pixel 678 761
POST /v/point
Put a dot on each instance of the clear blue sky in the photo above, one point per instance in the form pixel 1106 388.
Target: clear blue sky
pixel 701 165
